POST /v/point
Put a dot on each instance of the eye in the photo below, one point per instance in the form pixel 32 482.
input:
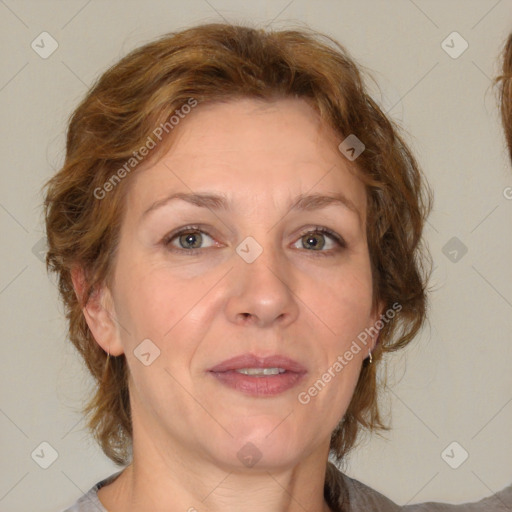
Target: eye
pixel 320 240
pixel 188 239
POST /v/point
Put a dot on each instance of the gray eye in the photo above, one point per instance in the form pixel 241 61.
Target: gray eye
pixel 191 240
pixel 313 241
pixel 318 241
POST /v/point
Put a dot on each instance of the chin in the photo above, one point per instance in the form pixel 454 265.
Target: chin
pixel 267 446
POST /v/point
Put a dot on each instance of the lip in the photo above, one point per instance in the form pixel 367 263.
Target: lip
pixel 262 386
pixel 252 361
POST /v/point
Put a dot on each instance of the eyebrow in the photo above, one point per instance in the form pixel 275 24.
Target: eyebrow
pixel 303 202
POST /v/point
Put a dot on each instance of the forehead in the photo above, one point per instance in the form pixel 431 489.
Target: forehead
pixel 256 126
pixel 254 150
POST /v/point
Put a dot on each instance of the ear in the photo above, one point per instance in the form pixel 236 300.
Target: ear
pixel 99 313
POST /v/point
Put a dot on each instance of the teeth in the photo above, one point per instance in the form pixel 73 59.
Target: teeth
pixel 261 371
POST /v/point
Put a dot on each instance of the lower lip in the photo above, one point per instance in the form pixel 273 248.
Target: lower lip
pixel 269 385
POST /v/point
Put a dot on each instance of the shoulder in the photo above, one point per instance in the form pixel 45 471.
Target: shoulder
pixel 89 502
pixel 345 494
pixel 498 502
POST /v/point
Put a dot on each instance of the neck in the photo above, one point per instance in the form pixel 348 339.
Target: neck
pixel 179 482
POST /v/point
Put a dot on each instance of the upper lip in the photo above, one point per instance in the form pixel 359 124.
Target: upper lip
pixel 252 361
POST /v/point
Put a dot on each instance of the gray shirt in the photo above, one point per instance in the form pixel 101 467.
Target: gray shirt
pixel 343 494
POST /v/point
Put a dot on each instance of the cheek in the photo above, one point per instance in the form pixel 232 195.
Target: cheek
pixel 173 312
pixel 150 304
pixel 342 300
pixel 343 306
pixel 153 306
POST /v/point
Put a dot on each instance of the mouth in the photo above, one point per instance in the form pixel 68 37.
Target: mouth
pixel 261 372
pixel 259 376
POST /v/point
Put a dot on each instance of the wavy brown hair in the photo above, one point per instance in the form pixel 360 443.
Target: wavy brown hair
pixel 505 91
pixel 221 62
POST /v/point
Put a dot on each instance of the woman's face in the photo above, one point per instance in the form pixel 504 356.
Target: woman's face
pixel 246 241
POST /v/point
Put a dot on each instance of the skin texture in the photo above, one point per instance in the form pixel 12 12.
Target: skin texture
pixel 307 303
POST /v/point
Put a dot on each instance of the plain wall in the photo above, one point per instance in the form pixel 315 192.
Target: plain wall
pixel 453 383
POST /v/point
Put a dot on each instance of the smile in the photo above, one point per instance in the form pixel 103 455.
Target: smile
pixel 259 376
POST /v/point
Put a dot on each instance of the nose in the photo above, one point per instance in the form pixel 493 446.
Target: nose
pixel 261 293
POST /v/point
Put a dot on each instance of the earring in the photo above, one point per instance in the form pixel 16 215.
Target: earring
pixel 370 356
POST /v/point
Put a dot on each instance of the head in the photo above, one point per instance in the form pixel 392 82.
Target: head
pixel 505 82
pixel 255 119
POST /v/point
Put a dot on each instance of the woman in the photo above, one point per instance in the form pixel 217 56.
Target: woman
pixel 236 231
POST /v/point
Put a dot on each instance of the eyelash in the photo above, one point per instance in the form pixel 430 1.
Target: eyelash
pixel 315 230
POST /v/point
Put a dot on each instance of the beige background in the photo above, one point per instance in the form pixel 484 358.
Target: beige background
pixel 454 383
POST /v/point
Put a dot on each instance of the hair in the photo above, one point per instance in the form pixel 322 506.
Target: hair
pixel 213 63
pixel 505 91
